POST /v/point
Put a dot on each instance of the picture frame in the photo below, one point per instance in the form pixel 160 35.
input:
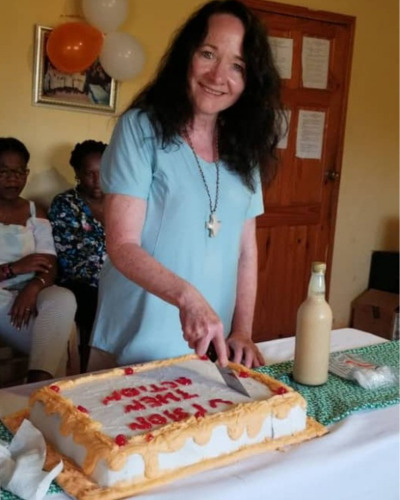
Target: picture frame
pixel 91 90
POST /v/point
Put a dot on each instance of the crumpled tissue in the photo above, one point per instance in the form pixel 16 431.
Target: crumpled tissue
pixel 21 464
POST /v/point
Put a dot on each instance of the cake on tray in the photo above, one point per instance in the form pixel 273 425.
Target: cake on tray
pixel 129 429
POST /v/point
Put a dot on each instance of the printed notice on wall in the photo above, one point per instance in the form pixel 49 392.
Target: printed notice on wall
pixel 282 53
pixel 315 62
pixel 285 125
pixel 310 134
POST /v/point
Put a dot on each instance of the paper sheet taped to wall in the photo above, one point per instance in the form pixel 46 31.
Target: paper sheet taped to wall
pixel 310 134
pixel 282 53
pixel 315 62
pixel 284 132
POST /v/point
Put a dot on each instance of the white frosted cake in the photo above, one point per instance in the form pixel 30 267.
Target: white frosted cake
pixel 136 427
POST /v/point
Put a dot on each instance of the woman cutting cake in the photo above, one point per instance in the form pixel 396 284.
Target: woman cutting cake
pixel 182 182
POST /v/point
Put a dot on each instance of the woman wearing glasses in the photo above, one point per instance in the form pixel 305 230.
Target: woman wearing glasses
pixel 36 317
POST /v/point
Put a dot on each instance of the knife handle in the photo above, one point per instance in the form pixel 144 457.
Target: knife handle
pixel 212 353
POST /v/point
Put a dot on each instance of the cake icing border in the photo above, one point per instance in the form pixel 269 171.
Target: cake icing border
pixel 77 484
pixel 86 431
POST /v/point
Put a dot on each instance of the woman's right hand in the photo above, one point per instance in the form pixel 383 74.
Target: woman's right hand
pixel 201 325
pixel 33 263
pixel 24 306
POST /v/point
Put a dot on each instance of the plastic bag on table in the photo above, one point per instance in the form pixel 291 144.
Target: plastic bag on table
pixel 362 371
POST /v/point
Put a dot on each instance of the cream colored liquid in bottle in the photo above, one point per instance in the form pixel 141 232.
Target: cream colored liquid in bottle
pixel 313 332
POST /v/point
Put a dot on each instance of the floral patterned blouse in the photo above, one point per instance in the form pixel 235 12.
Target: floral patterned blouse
pixel 78 237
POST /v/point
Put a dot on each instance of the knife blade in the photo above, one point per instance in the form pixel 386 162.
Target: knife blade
pixel 227 373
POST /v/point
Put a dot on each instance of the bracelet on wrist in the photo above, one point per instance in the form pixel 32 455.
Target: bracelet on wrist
pixel 7 271
pixel 42 280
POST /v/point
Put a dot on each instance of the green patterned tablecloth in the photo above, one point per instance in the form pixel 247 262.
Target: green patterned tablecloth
pixel 339 398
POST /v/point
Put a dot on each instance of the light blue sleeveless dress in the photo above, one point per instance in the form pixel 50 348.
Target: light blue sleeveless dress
pixel 131 323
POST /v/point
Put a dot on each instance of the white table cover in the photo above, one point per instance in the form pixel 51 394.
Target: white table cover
pixel 357 460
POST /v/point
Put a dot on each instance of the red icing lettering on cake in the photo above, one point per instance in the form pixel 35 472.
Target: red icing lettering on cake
pixel 186 395
pixel 82 409
pixel 141 424
pixel 129 371
pixel 114 396
pixel 215 402
pixel 129 392
pixel 157 400
pixel 151 401
pixel 164 399
pixel 176 414
pixel 201 412
pixel 55 388
pixel 183 381
pixel 169 384
pixel 281 390
pixel 134 406
pixel 243 374
pixel 163 394
pixel 157 419
pixel 156 388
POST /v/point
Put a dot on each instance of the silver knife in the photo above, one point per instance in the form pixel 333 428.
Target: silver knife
pixel 227 373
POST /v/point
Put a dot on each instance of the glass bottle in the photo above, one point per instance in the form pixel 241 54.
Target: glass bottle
pixel 313 332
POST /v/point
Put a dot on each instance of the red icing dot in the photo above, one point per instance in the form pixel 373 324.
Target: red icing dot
pixel 149 437
pixel 204 358
pixel 129 371
pixel 82 409
pixel 55 388
pixel 244 374
pixel 120 440
pixel 281 390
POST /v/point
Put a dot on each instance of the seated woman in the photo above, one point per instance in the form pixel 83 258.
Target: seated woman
pixel 77 219
pixel 36 317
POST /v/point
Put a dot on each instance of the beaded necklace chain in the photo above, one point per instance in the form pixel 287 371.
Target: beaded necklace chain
pixel 213 224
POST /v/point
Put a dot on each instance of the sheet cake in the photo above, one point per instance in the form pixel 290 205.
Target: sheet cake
pixel 132 428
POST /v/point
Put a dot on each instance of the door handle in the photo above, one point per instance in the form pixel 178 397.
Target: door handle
pixel 332 175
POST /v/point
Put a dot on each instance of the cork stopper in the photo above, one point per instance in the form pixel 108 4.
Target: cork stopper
pixel 318 267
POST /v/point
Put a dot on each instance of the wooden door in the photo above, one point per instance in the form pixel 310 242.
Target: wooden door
pixel 300 205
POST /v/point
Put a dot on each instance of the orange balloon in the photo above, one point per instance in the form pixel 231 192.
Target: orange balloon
pixel 73 47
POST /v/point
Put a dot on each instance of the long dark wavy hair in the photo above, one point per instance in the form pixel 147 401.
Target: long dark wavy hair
pixel 249 130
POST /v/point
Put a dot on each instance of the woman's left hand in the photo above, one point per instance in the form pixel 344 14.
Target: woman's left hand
pixel 24 306
pixel 244 350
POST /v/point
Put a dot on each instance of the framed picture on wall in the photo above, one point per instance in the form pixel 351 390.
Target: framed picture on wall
pixel 91 90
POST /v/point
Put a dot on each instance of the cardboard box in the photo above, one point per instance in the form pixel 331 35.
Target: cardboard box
pixel 376 311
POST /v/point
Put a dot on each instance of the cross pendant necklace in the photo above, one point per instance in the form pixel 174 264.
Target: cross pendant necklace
pixel 213 225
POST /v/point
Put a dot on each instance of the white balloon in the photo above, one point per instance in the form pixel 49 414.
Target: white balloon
pixel 106 15
pixel 121 56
